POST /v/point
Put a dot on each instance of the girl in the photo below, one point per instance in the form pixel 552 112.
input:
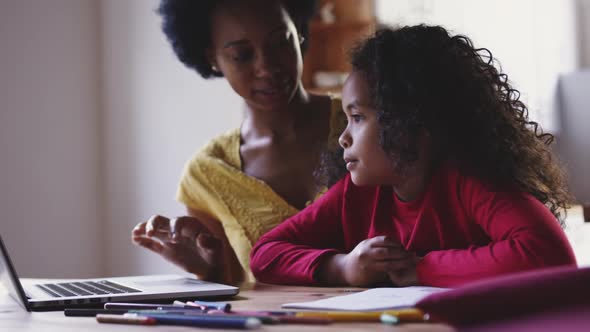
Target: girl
pixel 243 183
pixel 449 182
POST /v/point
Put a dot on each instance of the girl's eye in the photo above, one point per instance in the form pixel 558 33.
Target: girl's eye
pixel 356 118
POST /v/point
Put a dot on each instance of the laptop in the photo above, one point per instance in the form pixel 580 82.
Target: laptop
pixel 34 295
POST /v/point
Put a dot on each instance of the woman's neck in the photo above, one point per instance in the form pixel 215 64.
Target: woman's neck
pixel 277 124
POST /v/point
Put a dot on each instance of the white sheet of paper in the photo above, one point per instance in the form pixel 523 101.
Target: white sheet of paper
pixel 370 300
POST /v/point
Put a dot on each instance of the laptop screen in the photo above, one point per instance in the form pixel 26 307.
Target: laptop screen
pixel 10 280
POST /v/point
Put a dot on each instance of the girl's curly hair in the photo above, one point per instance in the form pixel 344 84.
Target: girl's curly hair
pixel 187 25
pixel 422 78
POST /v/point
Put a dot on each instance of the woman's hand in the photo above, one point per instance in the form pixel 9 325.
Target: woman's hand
pixel 184 241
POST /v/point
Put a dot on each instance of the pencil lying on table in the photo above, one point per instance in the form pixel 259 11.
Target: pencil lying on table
pixel 278 317
pixel 402 315
pixel 197 321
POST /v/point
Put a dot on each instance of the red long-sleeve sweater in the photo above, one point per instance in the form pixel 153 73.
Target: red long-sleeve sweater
pixel 464 230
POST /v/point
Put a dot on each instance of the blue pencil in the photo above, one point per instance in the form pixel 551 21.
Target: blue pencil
pixel 263 318
pixel 222 322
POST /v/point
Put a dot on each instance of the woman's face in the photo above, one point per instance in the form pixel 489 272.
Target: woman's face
pixel 256 46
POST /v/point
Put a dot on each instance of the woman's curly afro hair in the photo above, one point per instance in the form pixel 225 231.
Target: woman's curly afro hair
pixel 187 25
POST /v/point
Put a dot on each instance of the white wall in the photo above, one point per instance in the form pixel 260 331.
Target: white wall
pixel 574 141
pixel 583 18
pixel 97 118
pixel 534 41
pixel 50 201
pixel 157 114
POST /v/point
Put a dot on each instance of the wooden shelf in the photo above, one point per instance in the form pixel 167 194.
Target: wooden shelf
pixel 330 43
pixel 334 91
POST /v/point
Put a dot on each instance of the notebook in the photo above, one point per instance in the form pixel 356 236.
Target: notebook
pixel 374 299
pixel 33 295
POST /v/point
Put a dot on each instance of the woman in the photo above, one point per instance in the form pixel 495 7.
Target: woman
pixel 247 181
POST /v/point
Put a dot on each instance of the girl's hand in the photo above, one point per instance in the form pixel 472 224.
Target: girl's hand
pixel 184 241
pixel 406 276
pixel 371 261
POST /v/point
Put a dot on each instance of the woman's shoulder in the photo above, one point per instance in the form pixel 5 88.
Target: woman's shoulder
pixel 223 148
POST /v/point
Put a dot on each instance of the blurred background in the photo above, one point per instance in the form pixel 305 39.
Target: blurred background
pixel 97 117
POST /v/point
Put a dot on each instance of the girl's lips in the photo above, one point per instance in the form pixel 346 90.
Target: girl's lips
pixel 350 164
pixel 347 159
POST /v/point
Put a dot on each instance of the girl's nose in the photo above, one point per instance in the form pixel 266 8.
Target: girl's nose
pixel 344 140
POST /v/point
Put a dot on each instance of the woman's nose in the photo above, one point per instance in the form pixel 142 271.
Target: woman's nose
pixel 266 66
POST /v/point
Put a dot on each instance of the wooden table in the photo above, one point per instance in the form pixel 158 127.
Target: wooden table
pixel 251 297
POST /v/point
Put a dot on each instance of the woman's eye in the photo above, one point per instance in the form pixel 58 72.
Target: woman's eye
pixel 242 56
pixel 356 117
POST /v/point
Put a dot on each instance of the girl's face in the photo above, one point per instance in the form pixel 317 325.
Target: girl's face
pixel 366 161
pixel 256 46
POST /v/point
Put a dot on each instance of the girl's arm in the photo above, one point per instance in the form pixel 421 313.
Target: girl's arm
pixel 291 252
pixel 523 233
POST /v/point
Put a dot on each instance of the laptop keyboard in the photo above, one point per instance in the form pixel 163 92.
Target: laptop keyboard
pixel 85 288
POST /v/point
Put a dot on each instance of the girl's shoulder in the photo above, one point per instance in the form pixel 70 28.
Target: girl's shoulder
pixel 461 177
pixel 470 187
